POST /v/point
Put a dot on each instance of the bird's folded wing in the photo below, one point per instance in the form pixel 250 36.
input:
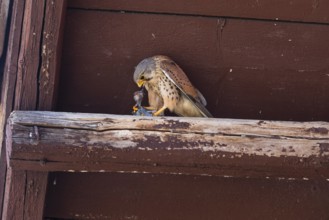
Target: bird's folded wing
pixel 177 76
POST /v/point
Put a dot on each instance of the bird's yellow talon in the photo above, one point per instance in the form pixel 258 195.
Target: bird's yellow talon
pixel 159 111
pixel 135 108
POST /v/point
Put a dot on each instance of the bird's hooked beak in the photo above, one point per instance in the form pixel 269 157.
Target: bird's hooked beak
pixel 140 83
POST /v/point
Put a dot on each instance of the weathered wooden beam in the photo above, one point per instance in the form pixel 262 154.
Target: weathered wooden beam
pixel 35 194
pixel 8 82
pixel 30 87
pixel 53 141
pixel 4 11
pixel 25 197
pixel 14 208
pixel 52 38
pixel 26 92
pixel 25 98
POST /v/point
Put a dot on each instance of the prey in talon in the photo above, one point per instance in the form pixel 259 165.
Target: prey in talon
pixel 138 109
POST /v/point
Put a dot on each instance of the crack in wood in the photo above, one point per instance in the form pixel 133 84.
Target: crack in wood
pixel 187 145
pixel 171 131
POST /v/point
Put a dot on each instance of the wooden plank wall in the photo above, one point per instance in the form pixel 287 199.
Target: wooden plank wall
pixel 294 10
pixel 155 196
pixel 245 56
pixel 251 59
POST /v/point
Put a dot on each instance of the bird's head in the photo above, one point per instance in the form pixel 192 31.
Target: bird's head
pixel 144 71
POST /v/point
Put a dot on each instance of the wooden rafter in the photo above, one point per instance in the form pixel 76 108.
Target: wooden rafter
pixel 52 141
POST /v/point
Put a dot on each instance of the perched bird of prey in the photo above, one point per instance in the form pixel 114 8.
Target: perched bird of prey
pixel 169 88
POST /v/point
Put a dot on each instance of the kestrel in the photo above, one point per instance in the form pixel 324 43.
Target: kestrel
pixel 169 88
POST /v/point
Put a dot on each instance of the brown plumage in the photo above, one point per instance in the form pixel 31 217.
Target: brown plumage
pixel 169 87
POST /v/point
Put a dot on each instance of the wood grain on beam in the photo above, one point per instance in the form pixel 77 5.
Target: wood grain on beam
pixel 26 89
pixel 35 193
pixel 14 208
pixel 49 141
pixel 7 89
pixel 29 95
pixel 9 77
pixel 295 10
pixel 4 10
pixel 51 52
pixel 29 56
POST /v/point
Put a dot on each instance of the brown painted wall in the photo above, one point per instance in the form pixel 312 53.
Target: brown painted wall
pixel 246 67
pixel 148 196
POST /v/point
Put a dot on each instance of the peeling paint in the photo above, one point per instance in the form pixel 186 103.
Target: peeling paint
pixel 123 144
pixel 306 145
pixel 172 124
pixel 318 130
pixel 324 148
pixel 226 176
pixel 267 149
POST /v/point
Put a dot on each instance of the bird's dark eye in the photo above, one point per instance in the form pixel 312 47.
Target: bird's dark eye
pixel 142 78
